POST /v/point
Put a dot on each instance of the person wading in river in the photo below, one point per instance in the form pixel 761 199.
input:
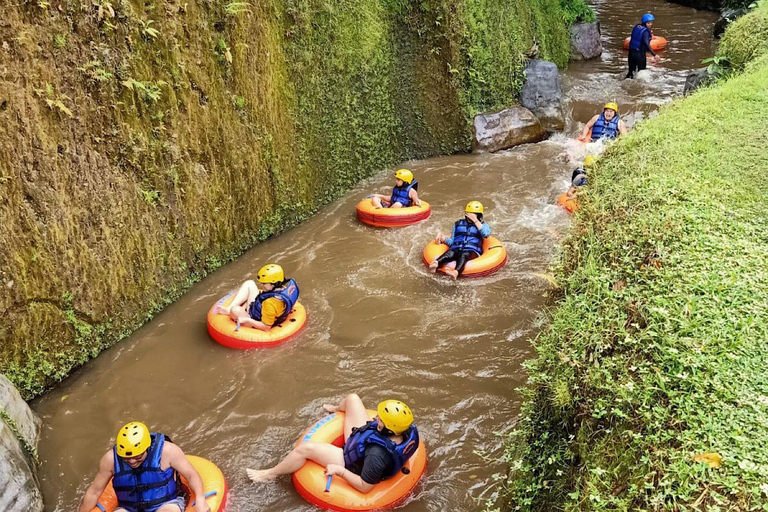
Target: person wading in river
pixel 144 469
pixel 639 45
pixel 404 194
pixel 606 125
pixel 263 310
pixel 465 242
pixel 373 450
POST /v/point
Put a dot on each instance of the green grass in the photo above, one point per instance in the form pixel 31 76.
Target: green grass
pixel 657 347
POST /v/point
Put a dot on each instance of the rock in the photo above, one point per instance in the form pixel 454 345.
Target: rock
pixel 585 41
pixel 19 490
pixel 542 94
pixel 505 129
pixel 705 5
pixel 725 19
pixel 695 80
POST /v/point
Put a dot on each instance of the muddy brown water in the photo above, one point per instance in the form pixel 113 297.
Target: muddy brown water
pixel 379 324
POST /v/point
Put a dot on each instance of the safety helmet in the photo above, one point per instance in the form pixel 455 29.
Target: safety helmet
pixel 395 415
pixel 474 207
pixel 612 105
pixel 271 273
pixel 647 17
pixel 405 175
pixel 133 439
pixel 590 160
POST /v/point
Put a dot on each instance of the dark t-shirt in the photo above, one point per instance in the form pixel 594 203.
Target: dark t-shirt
pixel 376 463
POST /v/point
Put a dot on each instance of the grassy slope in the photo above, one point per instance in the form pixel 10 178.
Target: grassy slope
pixel 657 350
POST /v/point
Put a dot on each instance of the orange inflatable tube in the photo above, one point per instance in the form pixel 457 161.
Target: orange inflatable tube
pixel 214 486
pixel 391 217
pixel 588 137
pixel 570 205
pixel 657 43
pixel 310 481
pixel 226 332
pixel 493 258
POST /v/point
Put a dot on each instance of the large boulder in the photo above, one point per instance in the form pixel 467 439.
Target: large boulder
pixel 586 42
pixel 542 94
pixel 508 128
pixel 19 432
pixel 695 80
pixel 727 16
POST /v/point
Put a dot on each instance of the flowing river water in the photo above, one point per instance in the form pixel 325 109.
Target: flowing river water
pixel 379 324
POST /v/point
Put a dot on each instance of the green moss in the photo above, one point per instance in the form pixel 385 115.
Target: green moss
pixel 746 38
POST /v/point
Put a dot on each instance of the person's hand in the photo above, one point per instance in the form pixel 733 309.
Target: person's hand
pixel 471 217
pixel 440 239
pixel 656 59
pixel 202 505
pixel 335 469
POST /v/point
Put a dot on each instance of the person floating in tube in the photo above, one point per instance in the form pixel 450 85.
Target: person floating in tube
pixel 373 451
pixel 465 242
pixel 266 309
pixel 605 125
pixel 639 44
pixel 144 469
pixel 579 177
pixel 404 194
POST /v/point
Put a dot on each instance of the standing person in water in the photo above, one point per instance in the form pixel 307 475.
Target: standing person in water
pixel 465 242
pixel 373 450
pixel 404 194
pixel 144 469
pixel 266 309
pixel 605 125
pixel 640 44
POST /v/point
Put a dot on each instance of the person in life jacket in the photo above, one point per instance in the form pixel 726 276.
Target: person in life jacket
pixel 266 309
pixel 605 125
pixel 404 194
pixel 465 242
pixel 640 44
pixel 579 177
pixel 373 450
pixel 144 468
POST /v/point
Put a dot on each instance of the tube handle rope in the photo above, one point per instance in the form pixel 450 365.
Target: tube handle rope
pixel 207 495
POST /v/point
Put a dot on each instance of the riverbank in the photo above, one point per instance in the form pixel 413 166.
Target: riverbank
pixel 144 147
pixel 649 390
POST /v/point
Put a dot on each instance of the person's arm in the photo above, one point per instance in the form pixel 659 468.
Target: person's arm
pixel 647 44
pixel 179 462
pixel 588 126
pixel 449 241
pixel 485 230
pixel 622 128
pixel 106 471
pixel 414 195
pixel 352 479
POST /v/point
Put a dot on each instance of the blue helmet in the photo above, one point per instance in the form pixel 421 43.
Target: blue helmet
pixel 647 17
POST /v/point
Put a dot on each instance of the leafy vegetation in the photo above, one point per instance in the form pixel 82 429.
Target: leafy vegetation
pixel 746 38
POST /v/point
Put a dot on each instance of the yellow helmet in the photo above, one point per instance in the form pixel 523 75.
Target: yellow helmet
pixel 395 415
pixel 271 273
pixel 612 105
pixel 474 207
pixel 133 439
pixel 590 160
pixel 405 175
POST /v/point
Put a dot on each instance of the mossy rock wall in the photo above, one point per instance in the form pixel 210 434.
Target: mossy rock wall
pixel 145 143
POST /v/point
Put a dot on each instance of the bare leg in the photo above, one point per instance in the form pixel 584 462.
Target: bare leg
pixel 169 508
pixel 356 415
pixel 244 296
pixel 380 201
pixel 396 205
pixel 322 453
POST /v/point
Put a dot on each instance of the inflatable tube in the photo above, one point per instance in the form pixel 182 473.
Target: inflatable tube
pixel 493 258
pixel 657 43
pixel 391 217
pixel 584 139
pixel 570 205
pixel 224 330
pixel 310 481
pixel 214 486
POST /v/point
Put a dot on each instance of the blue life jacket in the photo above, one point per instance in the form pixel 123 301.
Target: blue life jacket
pixel 147 487
pixel 466 237
pixel 289 294
pixel 402 194
pixel 607 129
pixel 636 39
pixel 354 447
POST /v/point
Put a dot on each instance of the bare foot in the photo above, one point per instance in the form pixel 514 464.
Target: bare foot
pixel 330 408
pixel 433 267
pixel 222 310
pixel 259 475
pixel 452 272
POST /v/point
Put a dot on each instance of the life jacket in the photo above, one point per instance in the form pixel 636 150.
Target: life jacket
pixel 636 39
pixel 402 194
pixel 607 129
pixel 579 178
pixel 354 447
pixel 147 487
pixel 466 237
pixel 289 294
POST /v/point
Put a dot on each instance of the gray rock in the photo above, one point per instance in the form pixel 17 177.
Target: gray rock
pixel 542 94
pixel 585 41
pixel 695 80
pixel 508 128
pixel 17 409
pixel 727 16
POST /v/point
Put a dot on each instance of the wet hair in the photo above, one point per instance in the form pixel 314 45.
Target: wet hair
pixel 280 284
pixel 479 217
